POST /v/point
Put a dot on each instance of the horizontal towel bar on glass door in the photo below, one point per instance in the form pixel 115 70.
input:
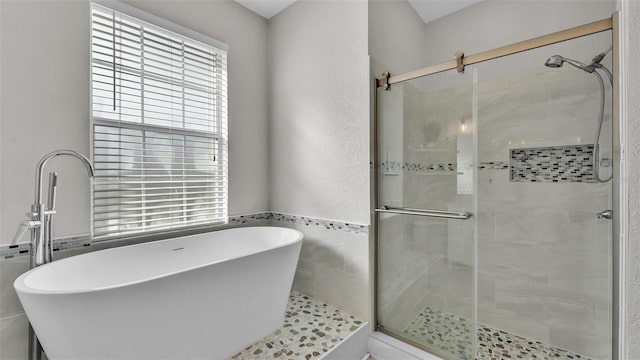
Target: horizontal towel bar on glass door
pixel 462 215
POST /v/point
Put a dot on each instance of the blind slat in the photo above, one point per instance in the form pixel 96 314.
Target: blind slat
pixel 125 190
pixel 151 210
pixel 128 70
pixel 150 213
pixel 108 232
pixel 153 195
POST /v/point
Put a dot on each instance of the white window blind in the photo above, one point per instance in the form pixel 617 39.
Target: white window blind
pixel 159 127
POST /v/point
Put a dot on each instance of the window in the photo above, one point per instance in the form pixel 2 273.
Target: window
pixel 159 127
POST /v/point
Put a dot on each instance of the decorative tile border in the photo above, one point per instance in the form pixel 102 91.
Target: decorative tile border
pixel 300 220
pixel 13 251
pixel 572 163
pixel 71 242
pixel 452 334
pixel 397 166
pixel 311 328
pixel 444 167
pixel 76 241
pixel 249 218
pixel 552 164
pixel 60 244
pixel 494 165
pixel 327 224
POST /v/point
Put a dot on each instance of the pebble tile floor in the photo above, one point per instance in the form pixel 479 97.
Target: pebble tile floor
pixel 451 334
pixel 311 328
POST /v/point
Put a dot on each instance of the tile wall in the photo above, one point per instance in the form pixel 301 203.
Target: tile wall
pixel 13 322
pixel 334 262
pixel 544 259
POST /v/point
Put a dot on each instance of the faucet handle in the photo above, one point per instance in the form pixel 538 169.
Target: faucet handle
pixel 25 226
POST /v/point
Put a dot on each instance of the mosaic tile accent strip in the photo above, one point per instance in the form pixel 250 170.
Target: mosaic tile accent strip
pixel 552 164
pixel 493 165
pixel 311 328
pixel 397 166
pixel 327 224
pixel 13 251
pixel 451 333
pixel 71 242
pixel 445 167
pixel 24 249
pixel 249 218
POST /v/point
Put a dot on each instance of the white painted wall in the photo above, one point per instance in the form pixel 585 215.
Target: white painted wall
pixel 44 105
pixel 633 151
pixel 396 36
pixel 319 142
pixel 319 110
pixel 44 101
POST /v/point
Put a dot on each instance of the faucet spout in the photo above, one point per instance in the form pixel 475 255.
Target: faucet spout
pixel 38 190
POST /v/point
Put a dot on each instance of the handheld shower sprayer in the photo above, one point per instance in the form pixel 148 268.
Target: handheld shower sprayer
pixel 557 61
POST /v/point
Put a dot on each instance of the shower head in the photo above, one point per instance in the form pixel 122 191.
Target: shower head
pixel 556 61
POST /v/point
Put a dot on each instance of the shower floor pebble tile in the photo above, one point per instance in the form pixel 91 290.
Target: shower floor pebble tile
pixel 311 328
pixel 450 333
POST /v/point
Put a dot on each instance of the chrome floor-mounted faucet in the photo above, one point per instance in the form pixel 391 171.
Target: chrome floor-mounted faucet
pixel 40 221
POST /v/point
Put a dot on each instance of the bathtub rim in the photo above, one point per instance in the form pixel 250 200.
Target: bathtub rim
pixel 21 287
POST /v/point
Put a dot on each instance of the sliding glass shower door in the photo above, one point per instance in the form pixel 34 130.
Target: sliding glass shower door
pixel 495 206
pixel 425 198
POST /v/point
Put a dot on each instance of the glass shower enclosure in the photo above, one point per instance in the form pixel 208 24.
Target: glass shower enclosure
pixel 493 232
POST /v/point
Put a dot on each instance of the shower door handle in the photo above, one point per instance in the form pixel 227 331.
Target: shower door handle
pixel 607 214
pixel 460 215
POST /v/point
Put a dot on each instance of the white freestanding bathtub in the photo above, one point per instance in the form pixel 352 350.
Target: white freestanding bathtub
pixel 204 296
